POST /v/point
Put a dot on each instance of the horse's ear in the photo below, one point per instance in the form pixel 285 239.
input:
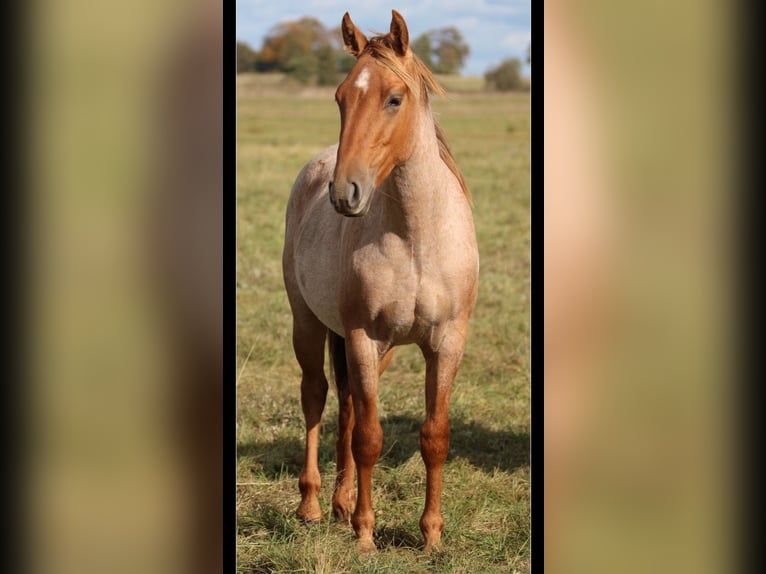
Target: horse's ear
pixel 353 39
pixel 400 37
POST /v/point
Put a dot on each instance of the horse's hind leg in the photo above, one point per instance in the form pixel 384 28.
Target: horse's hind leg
pixel 385 359
pixel 308 343
pixel 344 497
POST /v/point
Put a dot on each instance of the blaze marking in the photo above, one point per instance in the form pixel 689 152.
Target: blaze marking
pixel 363 81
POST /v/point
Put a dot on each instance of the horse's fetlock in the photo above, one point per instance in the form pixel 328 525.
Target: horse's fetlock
pixel 309 483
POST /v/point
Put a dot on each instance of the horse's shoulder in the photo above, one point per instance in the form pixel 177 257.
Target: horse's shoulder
pixel 312 179
pixel 317 168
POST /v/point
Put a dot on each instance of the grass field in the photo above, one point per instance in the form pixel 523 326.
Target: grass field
pixel 486 479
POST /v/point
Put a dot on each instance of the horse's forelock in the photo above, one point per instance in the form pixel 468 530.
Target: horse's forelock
pixel 418 81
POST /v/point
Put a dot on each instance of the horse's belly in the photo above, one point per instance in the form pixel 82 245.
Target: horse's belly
pixel 317 276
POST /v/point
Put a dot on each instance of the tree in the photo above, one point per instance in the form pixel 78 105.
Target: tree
pixel 506 76
pixel 451 50
pixel 302 67
pixel 444 51
pixel 326 66
pixel 423 49
pixel 246 58
pixel 306 51
pixel 290 45
pixel 345 62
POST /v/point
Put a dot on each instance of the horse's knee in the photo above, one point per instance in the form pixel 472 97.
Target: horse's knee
pixel 434 442
pixel 313 395
pixel 366 441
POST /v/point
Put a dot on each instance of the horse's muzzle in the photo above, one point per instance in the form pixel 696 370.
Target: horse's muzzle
pixel 347 199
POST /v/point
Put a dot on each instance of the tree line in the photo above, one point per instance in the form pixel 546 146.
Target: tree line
pixel 310 53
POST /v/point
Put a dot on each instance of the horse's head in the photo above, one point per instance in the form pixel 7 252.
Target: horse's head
pixel 378 102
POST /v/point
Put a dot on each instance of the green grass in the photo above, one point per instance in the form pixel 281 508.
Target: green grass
pixel 486 478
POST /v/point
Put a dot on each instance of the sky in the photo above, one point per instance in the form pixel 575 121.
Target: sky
pixel 493 29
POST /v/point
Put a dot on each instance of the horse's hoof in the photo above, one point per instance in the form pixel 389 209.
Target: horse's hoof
pixel 310 520
pixel 343 504
pixel 309 514
pixel 365 546
pixel 343 512
pixel 432 545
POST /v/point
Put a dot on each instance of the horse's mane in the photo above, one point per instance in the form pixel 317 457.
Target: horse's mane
pixel 419 82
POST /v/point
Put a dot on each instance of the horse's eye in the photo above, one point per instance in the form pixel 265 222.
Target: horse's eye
pixel 394 101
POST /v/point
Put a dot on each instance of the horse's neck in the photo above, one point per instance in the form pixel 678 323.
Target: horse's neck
pixel 416 190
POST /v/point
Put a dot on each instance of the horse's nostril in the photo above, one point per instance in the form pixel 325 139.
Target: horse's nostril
pixel 355 195
pixel 329 192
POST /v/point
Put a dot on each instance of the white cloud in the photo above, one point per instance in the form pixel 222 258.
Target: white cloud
pixel 516 40
pixel 467 23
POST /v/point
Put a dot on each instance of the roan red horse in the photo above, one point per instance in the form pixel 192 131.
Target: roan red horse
pixel 380 250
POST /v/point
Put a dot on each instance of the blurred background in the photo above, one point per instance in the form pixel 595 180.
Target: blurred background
pixel 125 285
pixel 124 116
pixel 639 378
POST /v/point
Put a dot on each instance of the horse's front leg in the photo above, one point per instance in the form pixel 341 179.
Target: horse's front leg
pixel 441 367
pixel 308 343
pixel 344 498
pixel 367 437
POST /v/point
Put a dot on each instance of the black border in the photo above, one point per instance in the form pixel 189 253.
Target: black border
pixel 229 289
pixel 13 405
pixel 749 321
pixel 536 296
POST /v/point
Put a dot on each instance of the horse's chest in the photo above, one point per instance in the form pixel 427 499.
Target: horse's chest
pixel 404 304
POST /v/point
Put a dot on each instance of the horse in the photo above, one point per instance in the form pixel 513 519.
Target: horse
pixel 380 251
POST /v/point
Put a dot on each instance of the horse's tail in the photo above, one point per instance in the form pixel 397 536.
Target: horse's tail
pixel 337 347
